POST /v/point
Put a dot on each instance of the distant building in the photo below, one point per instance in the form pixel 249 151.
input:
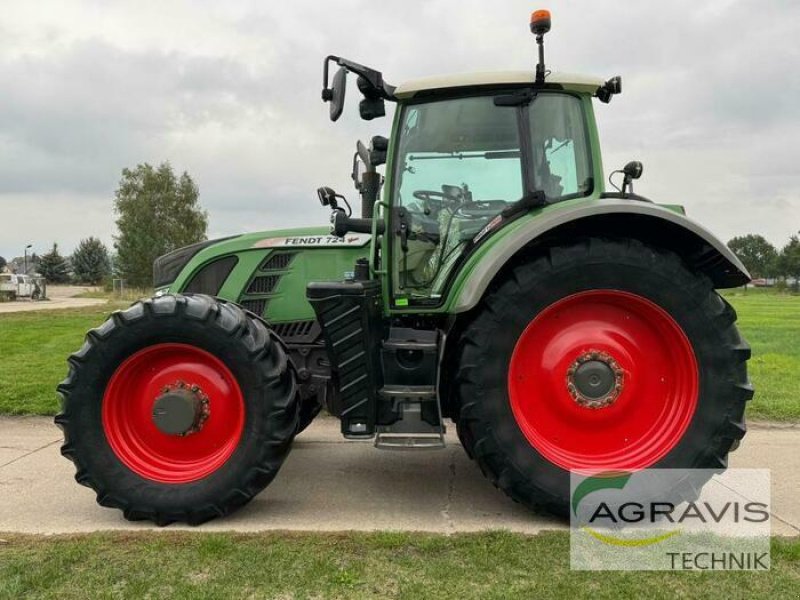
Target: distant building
pixel 17 264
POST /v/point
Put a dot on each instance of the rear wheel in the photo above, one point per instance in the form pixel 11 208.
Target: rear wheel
pixel 601 355
pixel 180 408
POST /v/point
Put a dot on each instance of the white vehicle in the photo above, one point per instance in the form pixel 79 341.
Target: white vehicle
pixel 14 286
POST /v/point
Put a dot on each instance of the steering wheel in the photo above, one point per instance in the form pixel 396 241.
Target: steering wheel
pixel 435 200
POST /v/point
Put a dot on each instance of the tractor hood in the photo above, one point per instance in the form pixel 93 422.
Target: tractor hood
pixel 302 237
pixel 167 267
pixel 266 272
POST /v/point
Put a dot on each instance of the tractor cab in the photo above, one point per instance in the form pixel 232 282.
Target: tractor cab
pixel 468 155
pixel 463 161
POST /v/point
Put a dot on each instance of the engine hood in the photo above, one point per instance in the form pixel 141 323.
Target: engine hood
pixel 267 271
pixel 303 237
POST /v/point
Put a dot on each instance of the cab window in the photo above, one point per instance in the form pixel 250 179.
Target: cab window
pixel 459 165
pixel 560 150
pixel 460 162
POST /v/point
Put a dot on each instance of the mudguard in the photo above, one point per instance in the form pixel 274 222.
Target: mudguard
pixel 603 217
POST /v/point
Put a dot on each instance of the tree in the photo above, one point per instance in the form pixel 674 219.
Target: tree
pixel 757 254
pixel 3 264
pixel 54 266
pixel 156 213
pixel 90 262
pixel 789 260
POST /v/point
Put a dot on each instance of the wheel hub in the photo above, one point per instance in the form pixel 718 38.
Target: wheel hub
pixel 180 409
pixel 594 380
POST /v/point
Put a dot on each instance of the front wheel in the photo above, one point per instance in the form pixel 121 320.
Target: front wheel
pixel 180 408
pixel 602 355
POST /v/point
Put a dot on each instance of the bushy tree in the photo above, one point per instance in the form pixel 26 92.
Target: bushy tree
pixel 789 260
pixel 54 266
pixel 90 262
pixel 757 254
pixel 157 212
pixel 3 264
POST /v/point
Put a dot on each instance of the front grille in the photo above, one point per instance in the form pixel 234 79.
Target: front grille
pixel 277 262
pixel 255 306
pixel 263 284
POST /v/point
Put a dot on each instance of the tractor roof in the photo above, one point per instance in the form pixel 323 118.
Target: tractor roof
pixel 577 83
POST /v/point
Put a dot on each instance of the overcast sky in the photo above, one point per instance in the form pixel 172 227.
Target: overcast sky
pixel 229 91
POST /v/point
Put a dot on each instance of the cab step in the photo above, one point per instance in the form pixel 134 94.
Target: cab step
pixel 409 399
pixel 411 431
pixel 396 393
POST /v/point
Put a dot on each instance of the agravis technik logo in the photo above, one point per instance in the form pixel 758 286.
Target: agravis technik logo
pixel 671 519
pixel 615 481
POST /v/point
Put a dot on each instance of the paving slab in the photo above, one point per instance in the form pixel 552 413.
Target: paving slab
pixel 330 484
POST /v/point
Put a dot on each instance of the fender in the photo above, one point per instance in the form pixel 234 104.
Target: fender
pixel 652 223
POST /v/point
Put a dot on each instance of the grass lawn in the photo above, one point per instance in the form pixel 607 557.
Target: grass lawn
pixel 34 347
pixel 351 565
pixel 770 322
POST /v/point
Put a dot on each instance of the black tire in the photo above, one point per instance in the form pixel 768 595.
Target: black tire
pixel 486 423
pixel 254 358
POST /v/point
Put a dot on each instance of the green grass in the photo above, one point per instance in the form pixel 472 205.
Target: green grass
pixel 34 347
pixel 33 352
pixel 770 322
pixel 351 565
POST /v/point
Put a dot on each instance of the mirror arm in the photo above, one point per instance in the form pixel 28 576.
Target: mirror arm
pixel 373 77
pixel 327 93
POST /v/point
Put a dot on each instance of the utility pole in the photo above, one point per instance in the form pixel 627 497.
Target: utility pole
pixel 26 257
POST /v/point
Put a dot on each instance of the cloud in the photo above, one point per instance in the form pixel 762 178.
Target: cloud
pixel 230 93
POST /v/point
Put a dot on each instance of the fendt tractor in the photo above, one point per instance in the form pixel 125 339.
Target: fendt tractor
pixel 491 279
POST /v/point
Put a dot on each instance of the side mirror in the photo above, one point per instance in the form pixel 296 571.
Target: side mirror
pixel 337 92
pixel 358 171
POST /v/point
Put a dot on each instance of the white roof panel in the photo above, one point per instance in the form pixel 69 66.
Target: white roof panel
pixel 580 83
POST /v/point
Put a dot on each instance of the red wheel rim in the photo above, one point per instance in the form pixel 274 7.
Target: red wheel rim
pixel 657 375
pixel 128 421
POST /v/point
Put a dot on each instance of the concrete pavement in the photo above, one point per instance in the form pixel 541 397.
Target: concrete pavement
pixel 60 296
pixel 329 484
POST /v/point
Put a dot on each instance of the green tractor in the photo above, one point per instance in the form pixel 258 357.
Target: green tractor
pixel 490 279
